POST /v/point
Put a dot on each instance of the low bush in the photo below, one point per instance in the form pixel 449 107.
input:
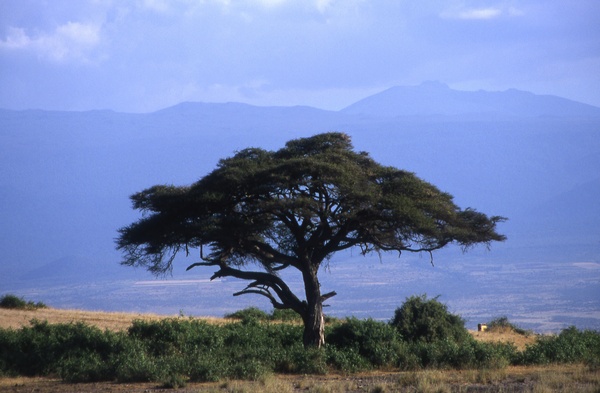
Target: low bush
pixel 448 354
pixel 570 346
pixel 249 313
pixel 428 320
pixel 173 351
pixel 42 349
pixel 285 315
pixel 502 324
pixel 15 302
pixel 377 342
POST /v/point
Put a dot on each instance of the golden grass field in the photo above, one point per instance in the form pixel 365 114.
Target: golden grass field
pixel 10 318
pixel 555 378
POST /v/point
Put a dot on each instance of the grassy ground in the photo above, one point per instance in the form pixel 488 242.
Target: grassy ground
pixel 571 378
pixel 10 318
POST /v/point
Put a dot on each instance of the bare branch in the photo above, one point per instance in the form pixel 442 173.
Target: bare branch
pixel 193 265
pixel 328 295
pixel 260 279
pixel 265 293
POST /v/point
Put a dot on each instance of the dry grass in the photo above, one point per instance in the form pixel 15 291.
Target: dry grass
pixel 569 378
pixel 505 335
pixel 10 318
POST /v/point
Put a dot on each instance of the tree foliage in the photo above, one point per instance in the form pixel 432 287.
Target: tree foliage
pixel 295 208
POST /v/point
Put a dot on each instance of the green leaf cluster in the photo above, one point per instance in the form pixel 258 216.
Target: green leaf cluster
pixel 302 203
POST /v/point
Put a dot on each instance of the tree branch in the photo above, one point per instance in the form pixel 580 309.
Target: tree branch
pixel 260 279
pixel 193 265
pixel 264 292
pixel 328 295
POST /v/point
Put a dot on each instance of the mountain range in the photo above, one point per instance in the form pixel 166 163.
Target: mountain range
pixel 435 98
pixel 65 177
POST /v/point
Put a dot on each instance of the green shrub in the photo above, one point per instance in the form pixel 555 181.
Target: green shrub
pixel 15 302
pixel 570 346
pixel 448 354
pixel 502 323
pixel 422 319
pixel 173 351
pixel 135 364
pixel 42 349
pixel 347 360
pixel 285 315
pixel 307 361
pixel 249 314
pixel 208 369
pixel 176 335
pixel 84 366
pixel 377 342
pixel 174 381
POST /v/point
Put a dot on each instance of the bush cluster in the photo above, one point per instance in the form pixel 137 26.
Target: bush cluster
pixel 254 313
pixel 570 346
pixel 502 324
pixel 428 320
pixel 175 351
pixel 15 302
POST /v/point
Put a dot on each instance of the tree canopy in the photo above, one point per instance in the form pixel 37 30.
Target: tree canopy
pixel 295 208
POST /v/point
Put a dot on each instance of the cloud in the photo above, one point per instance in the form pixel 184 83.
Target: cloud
pixel 271 3
pixel 16 39
pixel 155 53
pixel 481 13
pixel 70 41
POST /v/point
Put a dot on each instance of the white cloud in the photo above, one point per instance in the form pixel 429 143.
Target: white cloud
pixel 16 39
pixel 271 3
pixel 481 13
pixel 322 5
pixel 70 41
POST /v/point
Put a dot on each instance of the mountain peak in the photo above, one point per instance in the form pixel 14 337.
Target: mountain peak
pixel 433 85
pixel 434 98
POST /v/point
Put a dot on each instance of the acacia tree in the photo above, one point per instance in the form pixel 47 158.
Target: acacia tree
pixel 260 212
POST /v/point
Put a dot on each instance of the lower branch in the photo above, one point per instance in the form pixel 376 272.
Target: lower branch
pixel 262 284
pixel 328 295
pixel 263 292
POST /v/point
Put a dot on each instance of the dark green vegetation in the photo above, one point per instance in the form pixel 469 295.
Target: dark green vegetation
pixel 175 351
pixel 15 302
pixel 253 313
pixel 502 323
pixel 427 320
pixel 294 208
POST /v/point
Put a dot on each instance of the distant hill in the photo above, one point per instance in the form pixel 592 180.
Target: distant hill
pixel 435 98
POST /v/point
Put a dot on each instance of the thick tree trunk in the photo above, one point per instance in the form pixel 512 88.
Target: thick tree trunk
pixel 314 322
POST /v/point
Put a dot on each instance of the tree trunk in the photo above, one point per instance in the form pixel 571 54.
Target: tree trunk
pixel 314 322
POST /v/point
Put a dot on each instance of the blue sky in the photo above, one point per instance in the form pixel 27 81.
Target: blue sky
pixel 144 55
